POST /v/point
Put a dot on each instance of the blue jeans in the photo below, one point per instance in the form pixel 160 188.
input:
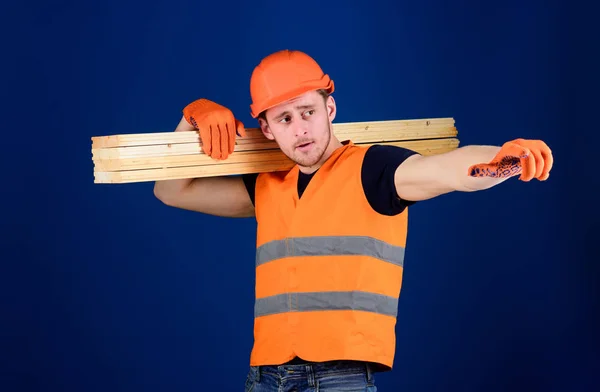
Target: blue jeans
pixel 312 377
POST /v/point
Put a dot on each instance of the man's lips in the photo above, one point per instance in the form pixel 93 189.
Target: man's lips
pixel 303 144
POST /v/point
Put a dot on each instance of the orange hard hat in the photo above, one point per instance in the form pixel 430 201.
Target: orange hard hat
pixel 284 75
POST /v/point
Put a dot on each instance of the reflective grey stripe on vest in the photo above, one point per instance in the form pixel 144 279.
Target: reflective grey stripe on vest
pixel 338 300
pixel 329 246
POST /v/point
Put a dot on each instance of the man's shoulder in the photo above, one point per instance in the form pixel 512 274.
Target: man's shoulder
pixel 378 177
pixel 378 155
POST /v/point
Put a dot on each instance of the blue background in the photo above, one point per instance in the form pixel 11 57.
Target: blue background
pixel 103 288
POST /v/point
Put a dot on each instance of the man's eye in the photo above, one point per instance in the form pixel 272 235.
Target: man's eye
pixel 310 112
pixel 285 119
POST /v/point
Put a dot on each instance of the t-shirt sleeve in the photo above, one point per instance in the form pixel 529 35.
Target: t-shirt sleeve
pixel 250 183
pixel 378 172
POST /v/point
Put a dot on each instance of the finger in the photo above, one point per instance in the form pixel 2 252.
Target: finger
pixel 515 150
pixel 224 140
pixel 538 162
pixel 227 136
pixel 528 165
pixel 548 163
pixel 240 130
pixel 205 138
pixel 215 143
pixel 231 134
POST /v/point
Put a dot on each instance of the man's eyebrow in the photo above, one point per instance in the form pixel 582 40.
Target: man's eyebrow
pixel 307 106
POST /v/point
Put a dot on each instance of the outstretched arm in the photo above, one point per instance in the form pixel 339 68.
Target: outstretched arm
pixel 472 168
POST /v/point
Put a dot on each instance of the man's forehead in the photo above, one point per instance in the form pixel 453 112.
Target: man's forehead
pixel 300 101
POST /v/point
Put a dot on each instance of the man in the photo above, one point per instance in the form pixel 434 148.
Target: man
pixel 332 230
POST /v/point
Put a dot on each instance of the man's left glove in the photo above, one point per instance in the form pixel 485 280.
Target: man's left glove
pixel 217 127
pixel 529 158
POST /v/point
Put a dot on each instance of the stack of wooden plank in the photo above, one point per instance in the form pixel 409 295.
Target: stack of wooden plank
pixel 127 158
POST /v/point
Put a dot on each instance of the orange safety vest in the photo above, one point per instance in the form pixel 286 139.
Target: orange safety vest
pixel 328 267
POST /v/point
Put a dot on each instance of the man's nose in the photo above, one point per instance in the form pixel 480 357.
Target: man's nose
pixel 300 129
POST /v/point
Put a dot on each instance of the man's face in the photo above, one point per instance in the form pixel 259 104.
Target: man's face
pixel 301 128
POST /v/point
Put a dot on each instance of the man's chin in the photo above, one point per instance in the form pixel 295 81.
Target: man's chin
pixel 309 158
pixel 306 161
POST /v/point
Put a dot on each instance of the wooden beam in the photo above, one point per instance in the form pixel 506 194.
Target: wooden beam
pixel 156 156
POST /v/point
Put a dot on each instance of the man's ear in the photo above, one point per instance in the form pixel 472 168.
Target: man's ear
pixel 331 108
pixel 264 127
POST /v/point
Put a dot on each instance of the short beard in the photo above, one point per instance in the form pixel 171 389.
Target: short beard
pixel 305 162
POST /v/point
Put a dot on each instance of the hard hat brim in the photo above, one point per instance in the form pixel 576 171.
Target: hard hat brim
pixel 324 83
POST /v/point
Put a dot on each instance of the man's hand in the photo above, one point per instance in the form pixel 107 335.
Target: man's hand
pixel 217 127
pixel 529 158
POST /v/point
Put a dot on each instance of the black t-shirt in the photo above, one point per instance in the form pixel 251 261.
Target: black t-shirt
pixel 377 173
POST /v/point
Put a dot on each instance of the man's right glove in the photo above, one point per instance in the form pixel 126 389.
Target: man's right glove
pixel 528 158
pixel 217 127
